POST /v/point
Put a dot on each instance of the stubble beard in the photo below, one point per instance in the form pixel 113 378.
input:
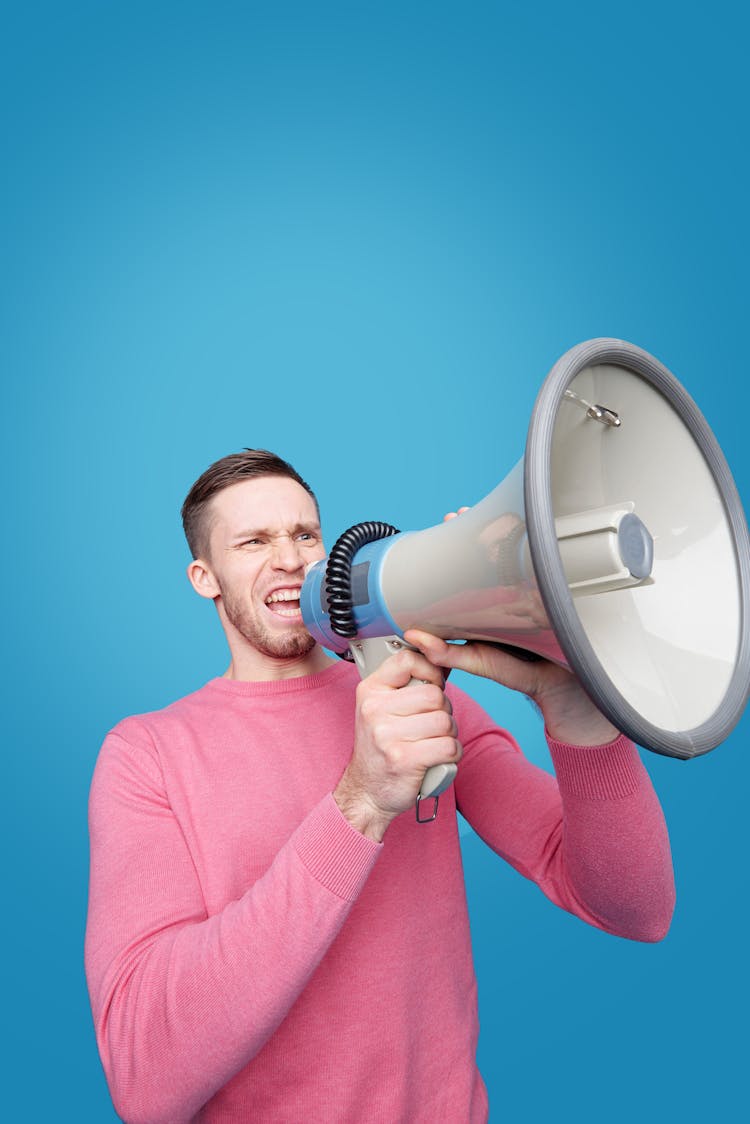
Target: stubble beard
pixel 283 645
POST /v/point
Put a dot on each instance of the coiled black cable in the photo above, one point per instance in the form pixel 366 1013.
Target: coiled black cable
pixel 339 570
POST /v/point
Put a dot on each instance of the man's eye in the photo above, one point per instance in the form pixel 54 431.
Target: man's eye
pixel 306 536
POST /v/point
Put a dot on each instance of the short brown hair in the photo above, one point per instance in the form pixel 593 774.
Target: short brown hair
pixel 222 474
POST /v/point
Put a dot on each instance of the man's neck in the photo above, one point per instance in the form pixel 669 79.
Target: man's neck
pixel 254 666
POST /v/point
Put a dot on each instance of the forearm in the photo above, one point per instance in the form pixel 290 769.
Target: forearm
pixel 597 844
pixel 613 864
pixel 181 1005
pixel 593 838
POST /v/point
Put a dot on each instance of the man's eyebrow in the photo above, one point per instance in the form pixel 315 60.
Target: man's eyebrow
pixel 305 527
pixel 266 532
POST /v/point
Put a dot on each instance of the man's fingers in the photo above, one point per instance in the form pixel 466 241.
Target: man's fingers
pixel 434 648
pixel 397 671
pixel 414 757
pixel 478 659
pixel 426 726
pixel 413 698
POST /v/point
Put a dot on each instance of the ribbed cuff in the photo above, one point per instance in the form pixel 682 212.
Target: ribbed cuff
pixel 597 772
pixel 334 852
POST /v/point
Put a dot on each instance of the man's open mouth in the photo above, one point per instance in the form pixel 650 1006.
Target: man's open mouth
pixel 284 602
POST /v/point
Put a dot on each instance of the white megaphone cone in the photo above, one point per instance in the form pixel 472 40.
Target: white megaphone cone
pixel 617 547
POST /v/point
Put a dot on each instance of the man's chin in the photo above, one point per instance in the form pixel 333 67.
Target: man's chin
pixel 282 639
pixel 291 645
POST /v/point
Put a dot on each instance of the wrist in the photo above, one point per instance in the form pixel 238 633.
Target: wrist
pixel 592 733
pixel 360 812
pixel 572 718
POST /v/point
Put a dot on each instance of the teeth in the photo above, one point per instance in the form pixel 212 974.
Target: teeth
pixel 283 595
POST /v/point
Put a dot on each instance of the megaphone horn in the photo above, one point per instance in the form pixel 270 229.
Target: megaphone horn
pixel 616 547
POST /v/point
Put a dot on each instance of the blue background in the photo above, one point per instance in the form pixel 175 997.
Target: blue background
pixel 360 235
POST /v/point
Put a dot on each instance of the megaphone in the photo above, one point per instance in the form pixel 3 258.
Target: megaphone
pixel 616 547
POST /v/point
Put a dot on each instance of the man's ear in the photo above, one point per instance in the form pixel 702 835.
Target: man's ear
pixel 202 579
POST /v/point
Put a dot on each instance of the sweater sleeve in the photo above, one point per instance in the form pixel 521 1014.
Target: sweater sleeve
pixel 181 1000
pixel 592 837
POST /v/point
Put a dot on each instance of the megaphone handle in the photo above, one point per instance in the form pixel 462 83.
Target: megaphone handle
pixel 368 654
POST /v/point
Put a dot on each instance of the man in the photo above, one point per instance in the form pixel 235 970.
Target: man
pixel 269 937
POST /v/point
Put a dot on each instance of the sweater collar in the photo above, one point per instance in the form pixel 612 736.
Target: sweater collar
pixel 331 675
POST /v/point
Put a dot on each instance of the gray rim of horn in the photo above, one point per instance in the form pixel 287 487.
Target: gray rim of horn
pixel 553 587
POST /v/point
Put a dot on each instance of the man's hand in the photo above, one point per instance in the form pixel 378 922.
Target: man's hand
pixel 401 729
pixel 569 714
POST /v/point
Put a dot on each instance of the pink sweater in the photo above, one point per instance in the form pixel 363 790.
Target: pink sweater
pixel 250 956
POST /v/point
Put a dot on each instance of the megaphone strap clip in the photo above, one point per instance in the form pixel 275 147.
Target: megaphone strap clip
pixel 594 411
pixel 426 819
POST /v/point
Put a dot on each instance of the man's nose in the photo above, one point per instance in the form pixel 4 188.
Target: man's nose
pixel 287 555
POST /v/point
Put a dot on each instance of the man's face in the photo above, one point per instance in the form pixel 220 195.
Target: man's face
pixel 264 532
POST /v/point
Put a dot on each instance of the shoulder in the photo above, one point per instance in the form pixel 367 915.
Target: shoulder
pixel 135 739
pixel 140 729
